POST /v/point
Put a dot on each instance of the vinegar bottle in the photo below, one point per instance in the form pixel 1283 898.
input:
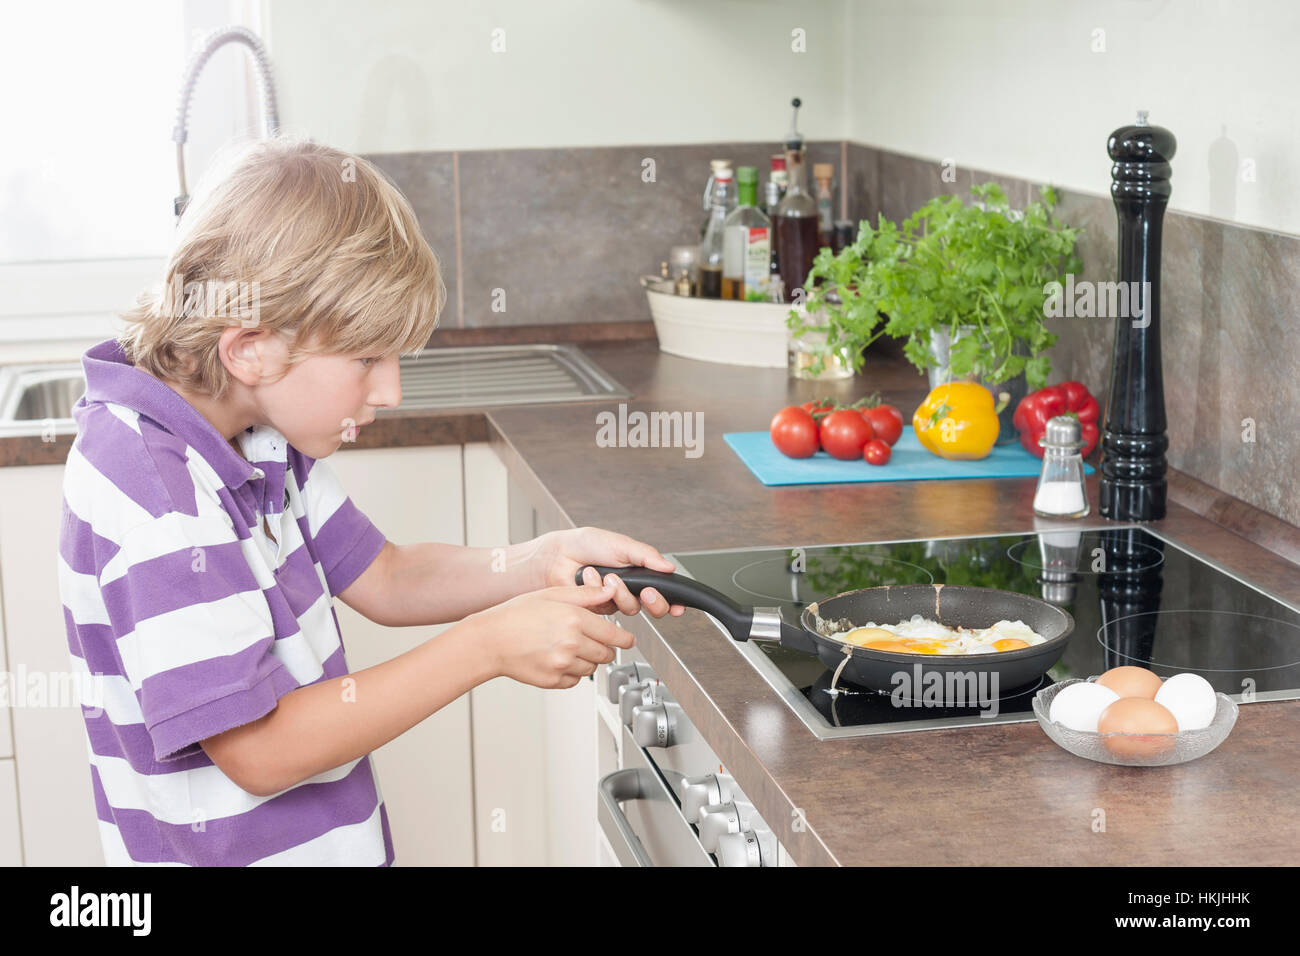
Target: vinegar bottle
pixel 795 220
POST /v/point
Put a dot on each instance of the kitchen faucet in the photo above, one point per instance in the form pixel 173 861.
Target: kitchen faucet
pixel 216 39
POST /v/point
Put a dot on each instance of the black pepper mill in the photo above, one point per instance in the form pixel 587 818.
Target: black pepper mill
pixel 1135 439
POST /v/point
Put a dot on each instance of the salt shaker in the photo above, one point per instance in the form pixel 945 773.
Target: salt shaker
pixel 1061 493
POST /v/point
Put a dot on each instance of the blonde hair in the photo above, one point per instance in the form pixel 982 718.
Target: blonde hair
pixel 302 239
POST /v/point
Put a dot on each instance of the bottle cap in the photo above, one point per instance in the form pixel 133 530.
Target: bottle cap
pixel 718 164
pixel 747 174
pixel 778 161
pixel 1062 432
pixel 823 170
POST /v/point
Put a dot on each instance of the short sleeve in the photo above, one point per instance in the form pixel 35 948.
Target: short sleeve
pixel 345 540
pixel 193 630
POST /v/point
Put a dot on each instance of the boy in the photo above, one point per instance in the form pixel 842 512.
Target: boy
pixel 204 536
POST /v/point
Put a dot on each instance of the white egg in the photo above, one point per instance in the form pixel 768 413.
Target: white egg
pixel 1190 698
pixel 1079 705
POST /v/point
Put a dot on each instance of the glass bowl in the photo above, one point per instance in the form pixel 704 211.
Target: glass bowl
pixel 1187 744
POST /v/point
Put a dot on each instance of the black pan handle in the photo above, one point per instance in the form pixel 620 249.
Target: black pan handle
pixel 679 589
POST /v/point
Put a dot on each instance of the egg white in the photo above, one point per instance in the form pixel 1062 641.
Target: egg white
pixel 958 640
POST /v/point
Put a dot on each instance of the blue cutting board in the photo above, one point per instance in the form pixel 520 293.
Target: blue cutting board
pixel 909 462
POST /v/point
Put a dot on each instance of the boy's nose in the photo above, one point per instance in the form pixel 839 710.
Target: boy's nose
pixel 388 394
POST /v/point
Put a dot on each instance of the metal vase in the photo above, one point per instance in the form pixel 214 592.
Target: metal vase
pixel 1015 388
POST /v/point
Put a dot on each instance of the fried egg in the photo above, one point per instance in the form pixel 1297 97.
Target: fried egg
pixel 920 635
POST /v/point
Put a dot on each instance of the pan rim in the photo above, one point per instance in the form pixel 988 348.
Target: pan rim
pixel 907 657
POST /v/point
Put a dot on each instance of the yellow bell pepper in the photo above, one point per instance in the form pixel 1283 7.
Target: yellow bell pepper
pixel 957 421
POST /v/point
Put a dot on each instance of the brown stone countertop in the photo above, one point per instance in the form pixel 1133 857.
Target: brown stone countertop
pixel 983 795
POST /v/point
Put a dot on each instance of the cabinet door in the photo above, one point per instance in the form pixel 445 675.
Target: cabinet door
pixel 510 806
pixel 51 757
pixel 414 495
pixel 535 762
pixel 11 848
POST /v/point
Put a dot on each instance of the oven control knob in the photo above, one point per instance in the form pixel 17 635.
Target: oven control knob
pixel 636 694
pixel 747 848
pixel 623 674
pixel 655 725
pixel 701 792
pixel 721 818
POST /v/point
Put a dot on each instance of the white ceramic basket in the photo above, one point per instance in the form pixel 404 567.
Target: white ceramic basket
pixel 722 330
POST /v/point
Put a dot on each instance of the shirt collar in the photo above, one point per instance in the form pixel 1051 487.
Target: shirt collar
pixel 110 377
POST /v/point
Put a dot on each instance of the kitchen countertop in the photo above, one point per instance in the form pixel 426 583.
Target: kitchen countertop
pixel 983 795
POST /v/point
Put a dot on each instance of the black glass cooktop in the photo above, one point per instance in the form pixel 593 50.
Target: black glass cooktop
pixel 1135 599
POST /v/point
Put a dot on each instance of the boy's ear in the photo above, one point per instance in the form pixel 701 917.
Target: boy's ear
pixel 250 354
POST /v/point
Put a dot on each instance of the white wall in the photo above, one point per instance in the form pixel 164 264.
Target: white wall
pixel 407 75
pixel 1014 87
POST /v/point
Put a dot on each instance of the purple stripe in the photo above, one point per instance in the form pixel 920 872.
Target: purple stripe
pixel 133 743
pixel 95 644
pixel 238 505
pixel 114 450
pixel 296 816
pixel 176 731
pixel 84 551
pixel 352 543
pixel 299 581
pixel 171 581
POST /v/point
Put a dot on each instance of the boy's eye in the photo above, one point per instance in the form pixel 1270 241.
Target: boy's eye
pixel 367 362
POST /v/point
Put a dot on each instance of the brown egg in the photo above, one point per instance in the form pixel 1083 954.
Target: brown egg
pixel 1131 681
pixel 1137 715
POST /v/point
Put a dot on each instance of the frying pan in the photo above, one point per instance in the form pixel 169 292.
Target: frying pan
pixel 951 605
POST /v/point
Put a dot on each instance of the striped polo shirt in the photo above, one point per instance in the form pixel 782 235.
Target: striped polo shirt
pixel 185 619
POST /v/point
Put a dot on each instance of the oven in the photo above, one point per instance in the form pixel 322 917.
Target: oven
pixel 664 798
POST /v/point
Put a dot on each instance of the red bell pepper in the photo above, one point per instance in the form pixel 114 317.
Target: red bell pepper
pixel 1067 398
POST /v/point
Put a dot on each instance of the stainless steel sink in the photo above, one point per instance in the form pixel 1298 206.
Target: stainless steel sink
pixel 38 398
pixel 481 375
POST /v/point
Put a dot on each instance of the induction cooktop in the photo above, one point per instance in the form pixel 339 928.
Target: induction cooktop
pixel 1136 598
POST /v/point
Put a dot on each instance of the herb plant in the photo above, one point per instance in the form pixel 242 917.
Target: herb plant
pixel 980 268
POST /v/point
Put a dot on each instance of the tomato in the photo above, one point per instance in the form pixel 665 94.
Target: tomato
pixel 876 452
pixel 794 433
pixel 820 407
pixel 843 433
pixel 886 421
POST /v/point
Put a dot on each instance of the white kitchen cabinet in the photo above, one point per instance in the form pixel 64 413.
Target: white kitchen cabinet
pixel 425 775
pixel 535 764
pixel 6 725
pixel 11 847
pixel 51 762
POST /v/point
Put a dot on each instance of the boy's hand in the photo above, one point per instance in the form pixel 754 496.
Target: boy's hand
pixel 566 551
pixel 554 637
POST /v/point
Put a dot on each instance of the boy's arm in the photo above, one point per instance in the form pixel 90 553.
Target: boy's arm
pixel 331 723
pixel 434 583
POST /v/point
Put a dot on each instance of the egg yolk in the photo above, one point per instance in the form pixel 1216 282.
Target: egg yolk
pixel 897 647
pixel 1009 644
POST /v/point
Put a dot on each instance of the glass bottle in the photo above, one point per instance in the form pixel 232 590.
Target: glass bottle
pixel 823 173
pixel 714 165
pixel 711 246
pixel 795 220
pixel 1061 492
pixel 747 245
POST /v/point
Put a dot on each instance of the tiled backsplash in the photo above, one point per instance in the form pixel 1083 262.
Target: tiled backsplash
pixel 563 233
